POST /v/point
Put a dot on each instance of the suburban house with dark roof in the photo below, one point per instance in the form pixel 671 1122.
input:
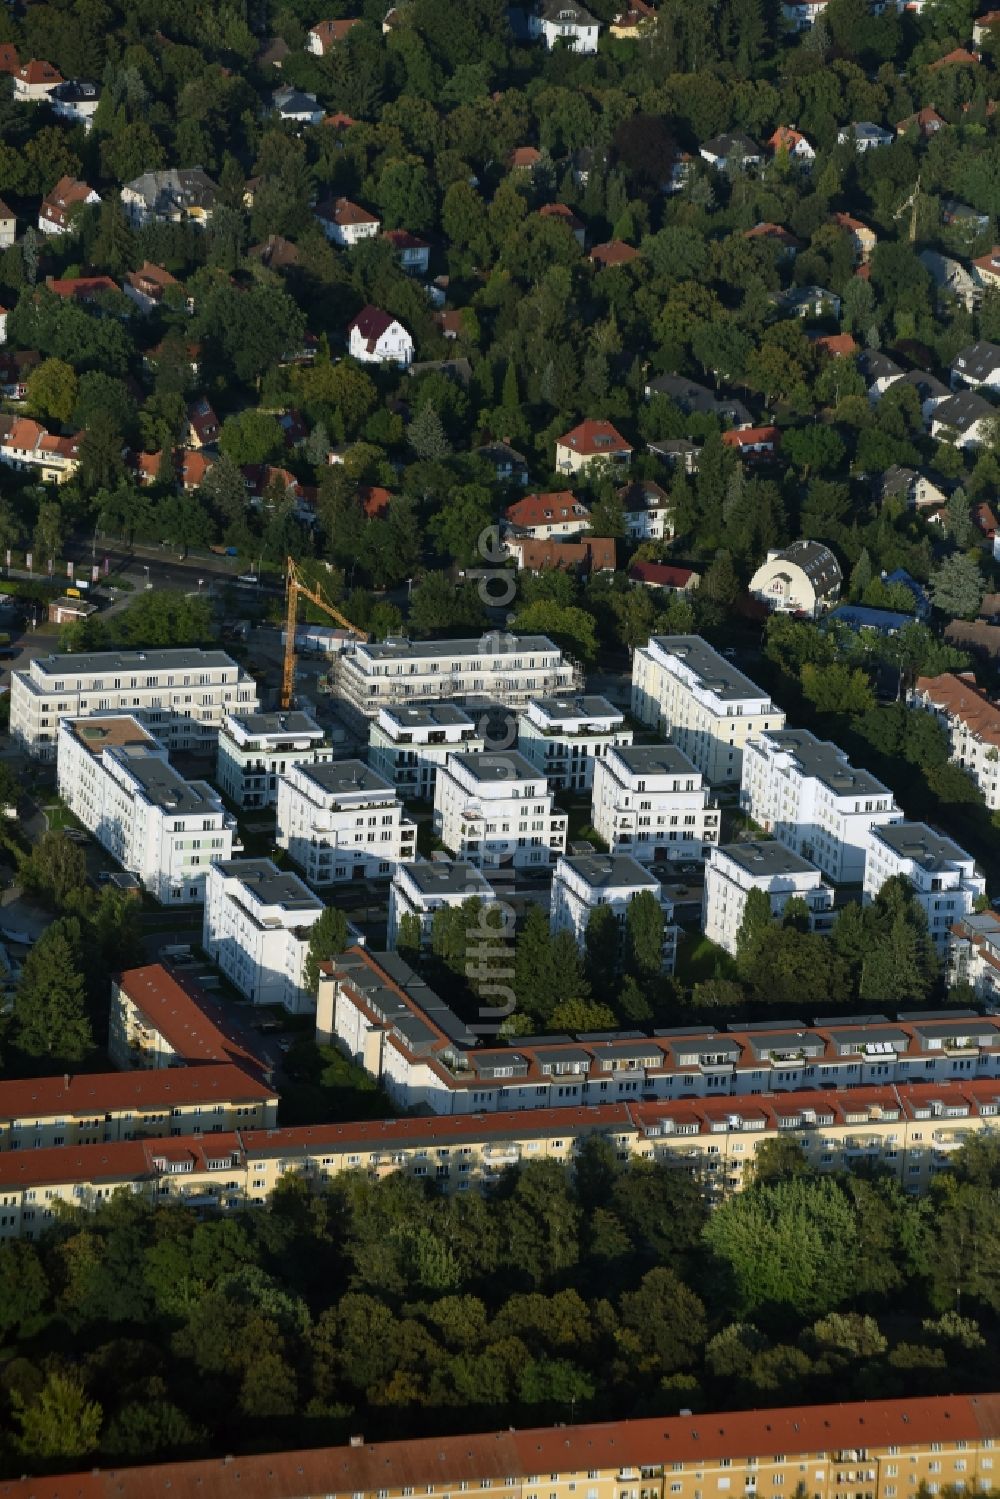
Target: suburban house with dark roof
pixel 564 22
pixel 376 337
pixel 803 578
pixel 647 511
pixel 963 420
pixel 977 365
pixel 732 151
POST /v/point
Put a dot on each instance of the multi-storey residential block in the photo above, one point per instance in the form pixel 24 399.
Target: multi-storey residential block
pixel 256 927
pixel 946 884
pixel 167 831
pixel 807 793
pixel 340 820
pixel 972 723
pixel 947 1441
pixel 685 689
pixel 385 1017
pixel 974 956
pixel 564 737
pixel 407 744
pixel 494 809
pixel 429 885
pixel 650 801
pixel 496 668
pixel 99 1108
pixel 181 694
pixel 737 868
pixel 159 1019
pixel 582 882
pixel 255 748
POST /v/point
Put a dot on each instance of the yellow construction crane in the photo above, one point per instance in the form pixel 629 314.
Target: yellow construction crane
pixel 294 586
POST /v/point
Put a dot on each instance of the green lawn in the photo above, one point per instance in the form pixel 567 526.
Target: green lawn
pixel 699 959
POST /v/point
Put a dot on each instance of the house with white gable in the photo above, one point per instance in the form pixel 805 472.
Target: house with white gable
pixel 565 22
pixel 345 223
pixel 545 517
pixel 964 420
pixel 376 337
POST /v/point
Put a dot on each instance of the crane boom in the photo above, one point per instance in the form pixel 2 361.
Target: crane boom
pixel 294 586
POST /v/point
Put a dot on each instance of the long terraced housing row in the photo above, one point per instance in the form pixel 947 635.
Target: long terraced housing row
pixel 912 1131
pixel 876 1449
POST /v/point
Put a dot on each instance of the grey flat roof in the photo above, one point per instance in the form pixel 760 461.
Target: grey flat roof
pixel 271 885
pixel 915 840
pixel 767 857
pixel 344 777
pixel 510 765
pixel 495 643
pixel 428 715
pixel 827 763
pixel 584 705
pixel 277 723
pixel 608 871
pixel 715 673
pixel 163 785
pixel 447 877
pixel 655 760
pixel 99 661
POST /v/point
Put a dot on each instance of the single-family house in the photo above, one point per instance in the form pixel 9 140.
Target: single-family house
pixel 987 268
pixel 8 226
pixel 376 337
pixel 863 240
pixel 835 345
pixel 593 441
pixel 977 365
pixel 564 23
pixel 345 223
pixel 916 490
pixel 878 372
pixel 636 19
pixel 865 135
pixel 754 444
pixel 926 123
pixel 508 465
pixel 952 277
pixel 794 144
pixel 930 390
pixel 202 424
pixel 35 80
pixel 296 106
pixel 803 578
pixel 27 446
pixel 958 57
pixel 647 511
pixel 688 396
pixel 900 578
pixel 547 517
pixel 786 243
pixel 83 289
pixel 524 158
pixel 961 216
pixel 146 286
pixel 16 369
pixel 75 100
pixel 185 195
pixel 732 151
pixel 412 252
pixel 802 15
pixel 664 576
pixel 61 207
pixel 964 420
pixel 807 302
pixel 591 554
pixel 677 453
pixel 563 214
pixel 615 252
pixel 326 34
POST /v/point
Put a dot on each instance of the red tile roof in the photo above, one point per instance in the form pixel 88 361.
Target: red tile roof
pixel 524 156
pixel 838 345
pixel 547 510
pixel 80 288
pixel 328 33
pixel 375 500
pixel 959 696
pixel 343 212
pixel 473 1458
pixel 9 60
pixel 785 137
pixel 402 239
pixel 961 57
pixel 594 437
pixel 776 232
pixel 661 574
pixel 97 1092
pixel 338 121
pixel 561 211
pixel 750 437
pixel 590 554
pixel 37 71
pixel 615 252
pixel 189 1020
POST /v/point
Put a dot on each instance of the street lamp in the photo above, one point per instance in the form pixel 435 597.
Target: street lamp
pixel 145 568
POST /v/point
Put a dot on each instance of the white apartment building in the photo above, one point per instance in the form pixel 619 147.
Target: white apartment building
pixel 182 695
pixel 974 956
pixel 256 928
pixel 406 744
pixel 494 809
pixel 495 668
pixel 946 884
pixel 686 690
pixel 116 778
pixel 340 820
pixel 564 737
pixel 582 882
pixel 737 868
pixel 805 792
pixel 429 885
pixel 256 748
pixel 971 722
pixel 650 801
